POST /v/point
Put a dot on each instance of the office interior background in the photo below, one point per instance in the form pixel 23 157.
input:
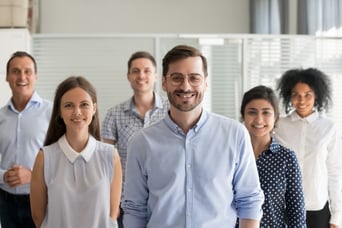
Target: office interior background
pixel 247 43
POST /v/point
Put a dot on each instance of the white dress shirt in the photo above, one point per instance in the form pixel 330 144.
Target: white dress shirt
pixel 317 144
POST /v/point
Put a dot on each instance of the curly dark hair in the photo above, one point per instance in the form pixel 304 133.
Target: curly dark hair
pixel 318 81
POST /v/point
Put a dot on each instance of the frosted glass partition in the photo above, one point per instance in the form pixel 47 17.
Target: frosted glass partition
pixel 236 63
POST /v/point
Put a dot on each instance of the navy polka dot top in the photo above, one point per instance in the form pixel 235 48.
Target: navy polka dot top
pixel 281 181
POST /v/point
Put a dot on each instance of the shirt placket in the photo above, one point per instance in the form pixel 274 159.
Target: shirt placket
pixel 19 139
pixel 189 181
pixel 302 143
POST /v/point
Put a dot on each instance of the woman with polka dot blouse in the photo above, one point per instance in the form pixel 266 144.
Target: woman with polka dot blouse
pixel 278 168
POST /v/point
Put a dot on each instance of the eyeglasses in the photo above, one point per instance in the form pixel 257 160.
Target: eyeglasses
pixel 193 79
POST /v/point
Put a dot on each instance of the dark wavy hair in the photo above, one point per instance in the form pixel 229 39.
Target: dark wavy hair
pixel 318 81
pixel 260 92
pixel 181 52
pixel 57 126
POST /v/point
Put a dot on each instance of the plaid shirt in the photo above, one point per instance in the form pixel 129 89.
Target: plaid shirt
pixel 123 120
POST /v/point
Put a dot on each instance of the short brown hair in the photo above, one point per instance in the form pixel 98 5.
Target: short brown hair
pixel 181 52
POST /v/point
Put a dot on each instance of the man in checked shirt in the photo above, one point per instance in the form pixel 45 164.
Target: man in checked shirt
pixel 144 108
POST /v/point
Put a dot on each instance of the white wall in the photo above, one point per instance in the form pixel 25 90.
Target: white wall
pixel 11 40
pixel 144 16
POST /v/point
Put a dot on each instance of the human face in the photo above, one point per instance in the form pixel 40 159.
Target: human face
pixel 21 76
pixel 77 110
pixel 259 118
pixel 142 75
pixel 185 97
pixel 303 99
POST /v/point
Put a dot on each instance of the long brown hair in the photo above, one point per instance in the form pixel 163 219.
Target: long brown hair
pixel 57 126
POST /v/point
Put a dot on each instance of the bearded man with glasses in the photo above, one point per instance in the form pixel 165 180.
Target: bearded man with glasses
pixel 194 168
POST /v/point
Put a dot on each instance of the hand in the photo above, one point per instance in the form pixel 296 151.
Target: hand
pixel 333 226
pixel 17 175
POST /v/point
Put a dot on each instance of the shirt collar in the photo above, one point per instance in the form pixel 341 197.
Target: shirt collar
pixel 274 146
pixel 196 127
pixel 310 118
pixel 72 155
pixel 157 103
pixel 35 99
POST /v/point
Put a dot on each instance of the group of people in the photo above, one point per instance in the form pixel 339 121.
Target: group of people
pixel 167 162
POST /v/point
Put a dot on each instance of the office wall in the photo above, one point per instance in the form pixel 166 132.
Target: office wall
pixel 144 16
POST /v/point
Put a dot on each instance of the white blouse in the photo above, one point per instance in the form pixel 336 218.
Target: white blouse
pixel 317 145
pixel 78 185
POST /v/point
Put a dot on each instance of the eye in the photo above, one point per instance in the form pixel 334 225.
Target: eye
pixel 308 95
pixel 267 113
pixel 177 77
pixel 135 71
pixel 67 106
pixel 85 104
pixel 28 72
pixel 251 112
pixel 15 71
pixel 148 71
pixel 195 77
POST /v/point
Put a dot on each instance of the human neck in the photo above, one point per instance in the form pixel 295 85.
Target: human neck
pixel 260 144
pixel 185 120
pixel 143 102
pixel 77 141
pixel 20 102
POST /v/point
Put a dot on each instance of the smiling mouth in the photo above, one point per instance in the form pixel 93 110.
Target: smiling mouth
pixel 259 126
pixel 185 95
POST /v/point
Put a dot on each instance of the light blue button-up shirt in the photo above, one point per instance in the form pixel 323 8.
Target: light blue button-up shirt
pixel 22 134
pixel 202 179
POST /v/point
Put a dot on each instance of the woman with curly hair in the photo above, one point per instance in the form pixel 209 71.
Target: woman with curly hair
pixel 306 94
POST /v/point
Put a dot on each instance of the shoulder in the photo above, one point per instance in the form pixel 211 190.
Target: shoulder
pixel 3 110
pixel 161 102
pixel 284 120
pixel 52 152
pixel 325 121
pixel 106 147
pixel 282 151
pixel 224 122
pixel 51 148
pixel 121 107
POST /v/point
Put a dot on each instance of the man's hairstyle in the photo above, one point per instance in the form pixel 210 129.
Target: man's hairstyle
pixel 140 55
pixel 181 52
pixel 21 54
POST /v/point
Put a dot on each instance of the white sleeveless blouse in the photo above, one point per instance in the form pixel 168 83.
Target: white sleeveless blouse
pixel 78 185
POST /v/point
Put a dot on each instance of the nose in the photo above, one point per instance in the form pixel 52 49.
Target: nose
pixel 185 83
pixel 77 111
pixel 259 117
pixel 20 74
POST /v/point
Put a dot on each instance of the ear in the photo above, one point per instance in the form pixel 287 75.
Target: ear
pixel 205 83
pixel 164 83
pixel 94 108
pixel 155 76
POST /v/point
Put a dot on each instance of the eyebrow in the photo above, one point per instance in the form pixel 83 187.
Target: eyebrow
pixel 258 109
